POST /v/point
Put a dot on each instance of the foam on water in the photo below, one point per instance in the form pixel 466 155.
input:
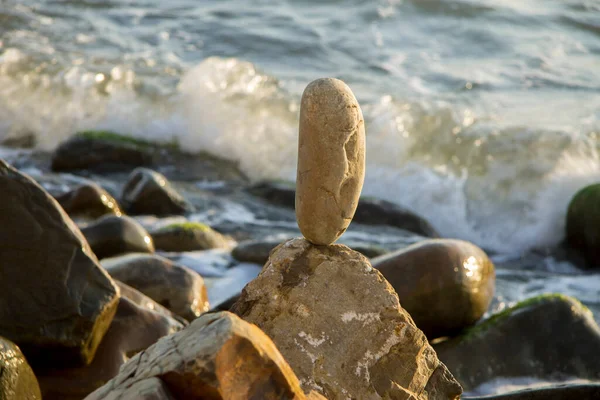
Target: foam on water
pixel 507 191
pixel 51 107
pixel 505 385
pixel 504 188
pixel 483 128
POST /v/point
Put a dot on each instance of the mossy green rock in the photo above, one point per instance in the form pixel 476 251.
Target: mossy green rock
pixel 446 285
pixel 17 381
pixel 188 237
pixel 583 224
pixel 103 150
pixel 109 136
pixel 542 337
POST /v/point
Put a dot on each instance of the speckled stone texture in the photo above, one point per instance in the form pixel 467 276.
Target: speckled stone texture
pixel 339 324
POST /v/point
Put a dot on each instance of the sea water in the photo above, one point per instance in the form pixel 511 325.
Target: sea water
pixel 481 115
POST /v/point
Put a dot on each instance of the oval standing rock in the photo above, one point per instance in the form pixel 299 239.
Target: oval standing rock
pixel 331 160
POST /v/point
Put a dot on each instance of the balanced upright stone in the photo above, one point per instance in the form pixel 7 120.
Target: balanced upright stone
pixel 331 160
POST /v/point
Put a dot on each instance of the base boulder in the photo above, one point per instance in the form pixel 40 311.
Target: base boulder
pixel 339 324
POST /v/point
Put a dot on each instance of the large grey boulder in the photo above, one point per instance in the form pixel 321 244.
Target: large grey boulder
pixel 56 302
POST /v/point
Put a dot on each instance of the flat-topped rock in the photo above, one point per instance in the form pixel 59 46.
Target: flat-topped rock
pixel 174 286
pixel 339 324
pixel 56 302
pixel 111 236
pixel 331 160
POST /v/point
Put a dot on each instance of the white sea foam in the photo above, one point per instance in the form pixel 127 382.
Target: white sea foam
pixel 505 188
pixel 505 385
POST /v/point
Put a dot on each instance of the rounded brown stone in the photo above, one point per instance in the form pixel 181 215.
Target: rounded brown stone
pixel 89 200
pixel 331 160
pixel 445 284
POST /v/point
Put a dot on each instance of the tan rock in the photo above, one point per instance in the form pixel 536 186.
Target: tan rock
pixel 331 160
pixel 174 286
pixel 218 356
pixel 138 323
pixel 446 285
pixel 56 302
pixel 17 381
pixel 338 323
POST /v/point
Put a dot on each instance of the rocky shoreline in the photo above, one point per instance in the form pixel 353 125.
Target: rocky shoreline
pixel 168 240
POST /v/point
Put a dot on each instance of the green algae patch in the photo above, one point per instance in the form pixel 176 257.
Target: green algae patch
pixel 118 138
pixel 502 315
pixel 189 226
